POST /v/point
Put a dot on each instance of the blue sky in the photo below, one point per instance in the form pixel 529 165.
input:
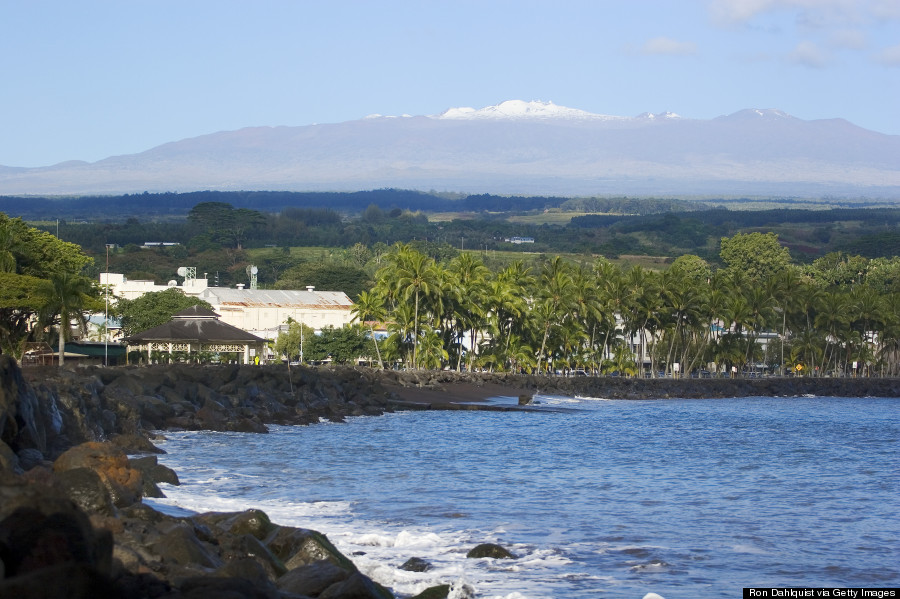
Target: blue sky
pixel 84 80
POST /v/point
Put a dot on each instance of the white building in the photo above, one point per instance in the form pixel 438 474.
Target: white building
pixel 119 286
pixel 257 311
pixel 262 311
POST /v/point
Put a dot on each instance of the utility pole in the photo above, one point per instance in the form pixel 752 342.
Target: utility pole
pixel 106 318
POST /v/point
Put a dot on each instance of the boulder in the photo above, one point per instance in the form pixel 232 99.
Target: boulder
pixel 441 591
pixel 75 580
pixel 52 532
pixel 9 461
pixel 29 458
pixel 134 444
pixel 247 569
pixel 21 414
pixel 251 522
pixel 249 547
pixel 312 579
pixel 491 550
pixel 153 471
pixel 416 564
pixel 124 483
pixel 182 547
pixel 203 587
pixel 87 490
pixel 356 586
pixel 297 547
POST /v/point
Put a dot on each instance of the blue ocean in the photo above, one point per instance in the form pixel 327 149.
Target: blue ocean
pixel 596 498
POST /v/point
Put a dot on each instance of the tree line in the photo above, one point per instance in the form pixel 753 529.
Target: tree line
pixel 157 206
pixel 838 316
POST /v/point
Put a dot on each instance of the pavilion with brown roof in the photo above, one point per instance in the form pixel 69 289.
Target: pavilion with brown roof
pixel 197 330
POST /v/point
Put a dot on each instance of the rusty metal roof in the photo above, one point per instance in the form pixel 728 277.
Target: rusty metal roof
pixel 276 298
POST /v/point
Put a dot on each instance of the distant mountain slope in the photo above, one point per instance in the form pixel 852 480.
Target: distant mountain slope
pixel 514 147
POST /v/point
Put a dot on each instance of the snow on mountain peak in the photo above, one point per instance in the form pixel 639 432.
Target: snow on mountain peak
pixel 756 113
pixel 661 116
pixel 518 109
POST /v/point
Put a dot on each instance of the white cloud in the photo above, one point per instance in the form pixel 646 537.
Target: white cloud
pixel 667 45
pixel 890 56
pixel 813 13
pixel 739 11
pixel 810 55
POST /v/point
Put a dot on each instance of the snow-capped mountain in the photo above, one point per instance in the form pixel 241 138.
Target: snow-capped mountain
pixel 513 147
pixel 517 109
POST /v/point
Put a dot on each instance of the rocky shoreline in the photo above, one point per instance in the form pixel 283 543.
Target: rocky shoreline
pixel 72 520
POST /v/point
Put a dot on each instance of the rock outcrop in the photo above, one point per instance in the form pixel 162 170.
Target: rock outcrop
pixel 72 521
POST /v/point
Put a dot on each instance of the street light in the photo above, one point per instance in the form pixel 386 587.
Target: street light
pixel 106 317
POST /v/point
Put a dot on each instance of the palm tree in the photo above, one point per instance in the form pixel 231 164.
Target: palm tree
pixel 684 301
pixel 833 320
pixel 64 296
pixel 469 281
pixel 370 305
pixel 417 275
pixel 760 304
pixel 555 299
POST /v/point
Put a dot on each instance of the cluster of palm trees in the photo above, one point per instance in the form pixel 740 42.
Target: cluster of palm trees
pixel 634 321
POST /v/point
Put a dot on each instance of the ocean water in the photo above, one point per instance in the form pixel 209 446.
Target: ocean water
pixel 597 498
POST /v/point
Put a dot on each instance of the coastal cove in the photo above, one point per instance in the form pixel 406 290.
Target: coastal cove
pixel 685 498
pixel 794 478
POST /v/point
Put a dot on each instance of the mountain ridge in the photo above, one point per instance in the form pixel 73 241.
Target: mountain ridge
pixel 513 147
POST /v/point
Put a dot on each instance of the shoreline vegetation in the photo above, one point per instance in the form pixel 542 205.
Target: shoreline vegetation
pixel 67 481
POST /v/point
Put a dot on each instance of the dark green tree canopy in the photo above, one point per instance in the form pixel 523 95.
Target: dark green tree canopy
pixel 153 309
pixel 756 255
pixel 326 277
pixel 342 345
pixel 29 251
pixel 224 223
pixel 29 259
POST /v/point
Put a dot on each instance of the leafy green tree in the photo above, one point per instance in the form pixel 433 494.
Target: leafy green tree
pixel 341 345
pixel 693 268
pixel 29 256
pixel 224 223
pixel 153 309
pixel 756 255
pixel 37 253
pixel 20 301
pixel 290 344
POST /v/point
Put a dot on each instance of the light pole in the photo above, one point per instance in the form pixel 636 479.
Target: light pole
pixel 106 317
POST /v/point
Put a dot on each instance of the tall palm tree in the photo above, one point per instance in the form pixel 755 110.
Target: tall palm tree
pixel 760 305
pixel 65 296
pixel 369 306
pixel 469 276
pixel 417 276
pixel 684 301
pixel 555 299
pixel 834 321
